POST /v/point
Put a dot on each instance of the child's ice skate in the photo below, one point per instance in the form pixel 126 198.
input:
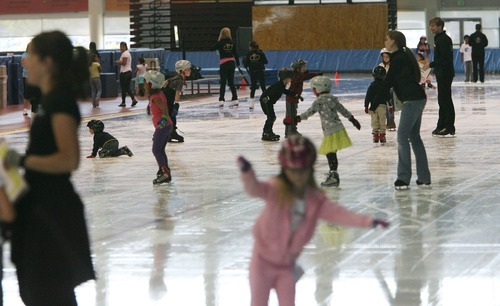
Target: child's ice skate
pixel 127 151
pixel 375 137
pixel 163 177
pixel 332 180
pixel 175 137
pixel 382 138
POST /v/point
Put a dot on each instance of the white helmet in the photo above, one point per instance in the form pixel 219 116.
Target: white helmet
pixel 155 78
pixel 322 84
pixel 384 50
pixel 182 65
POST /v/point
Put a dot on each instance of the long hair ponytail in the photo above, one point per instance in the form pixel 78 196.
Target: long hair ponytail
pixel 400 41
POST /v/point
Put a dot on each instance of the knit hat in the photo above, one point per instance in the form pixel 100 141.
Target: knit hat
pixel 297 152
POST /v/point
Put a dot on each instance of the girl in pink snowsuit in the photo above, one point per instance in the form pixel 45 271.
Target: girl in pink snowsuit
pixel 294 204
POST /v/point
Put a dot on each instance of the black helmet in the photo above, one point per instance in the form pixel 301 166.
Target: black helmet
pixel 295 65
pixel 285 73
pixel 378 72
pixel 254 45
pixel 96 125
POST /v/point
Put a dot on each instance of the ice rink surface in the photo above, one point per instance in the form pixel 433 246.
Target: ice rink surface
pixel 189 242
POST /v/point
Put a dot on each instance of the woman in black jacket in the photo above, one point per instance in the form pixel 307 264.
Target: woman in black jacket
pixel 404 78
pixel 228 62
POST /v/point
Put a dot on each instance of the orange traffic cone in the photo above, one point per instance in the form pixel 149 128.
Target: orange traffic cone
pixel 337 78
pixel 243 84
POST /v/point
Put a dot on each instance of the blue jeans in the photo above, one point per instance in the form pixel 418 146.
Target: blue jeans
pixel 409 132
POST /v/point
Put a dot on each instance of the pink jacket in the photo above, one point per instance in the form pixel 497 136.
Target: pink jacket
pixel 272 233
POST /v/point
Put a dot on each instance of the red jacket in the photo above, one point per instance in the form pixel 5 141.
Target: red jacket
pixel 297 85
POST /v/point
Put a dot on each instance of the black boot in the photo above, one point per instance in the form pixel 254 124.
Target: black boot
pixel 175 137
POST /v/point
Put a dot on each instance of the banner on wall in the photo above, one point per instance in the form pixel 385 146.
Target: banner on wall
pixel 42 6
pixel 117 5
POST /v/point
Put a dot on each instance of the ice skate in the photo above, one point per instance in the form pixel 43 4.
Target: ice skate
pixel 400 185
pixel 445 133
pixel 163 178
pixel 270 137
pixel 234 104
pixel 382 138
pixel 127 151
pixel 221 103
pixel 252 103
pixel 332 180
pixel 391 126
pixel 422 184
pixel 375 137
pixel 175 137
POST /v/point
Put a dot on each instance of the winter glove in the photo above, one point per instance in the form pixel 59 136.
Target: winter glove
pixel 380 223
pixel 244 164
pixel 90 156
pixel 366 110
pixel 14 159
pixel 391 110
pixel 355 122
pixel 299 97
pixel 162 122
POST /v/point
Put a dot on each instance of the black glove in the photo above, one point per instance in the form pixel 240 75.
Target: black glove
pixel 297 96
pixel 14 159
pixel 244 164
pixel 381 223
pixel 355 122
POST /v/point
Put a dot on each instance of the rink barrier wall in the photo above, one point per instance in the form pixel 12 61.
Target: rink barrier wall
pixel 318 60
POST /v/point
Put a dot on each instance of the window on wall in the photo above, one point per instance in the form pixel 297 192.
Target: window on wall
pixel 456 28
pixel 413 26
pixel 116 30
pixel 15 34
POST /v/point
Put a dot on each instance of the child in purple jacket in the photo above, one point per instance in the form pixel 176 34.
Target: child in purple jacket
pixel 294 203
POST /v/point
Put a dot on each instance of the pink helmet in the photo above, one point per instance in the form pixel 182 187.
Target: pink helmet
pixel 297 153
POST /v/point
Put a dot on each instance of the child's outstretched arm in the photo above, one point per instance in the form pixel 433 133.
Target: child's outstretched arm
pixel 252 186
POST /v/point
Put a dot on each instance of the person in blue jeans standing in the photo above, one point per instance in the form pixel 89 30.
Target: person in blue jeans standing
pixel 404 77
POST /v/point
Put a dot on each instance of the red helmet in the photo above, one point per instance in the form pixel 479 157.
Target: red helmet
pixel 297 153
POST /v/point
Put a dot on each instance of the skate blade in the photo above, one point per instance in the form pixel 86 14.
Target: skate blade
pixel 402 187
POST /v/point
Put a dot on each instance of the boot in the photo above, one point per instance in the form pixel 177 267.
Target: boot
pixel 163 178
pixel 332 180
pixel 375 137
pixel 382 138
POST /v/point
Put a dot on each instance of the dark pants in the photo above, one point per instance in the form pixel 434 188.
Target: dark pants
pixel 268 109
pixel 160 140
pixel 291 111
pixel 125 79
pixel 478 60
pixel 110 149
pixel 445 102
pixel 226 73
pixel 257 76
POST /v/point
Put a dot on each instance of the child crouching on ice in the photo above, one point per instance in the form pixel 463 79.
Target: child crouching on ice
pixel 105 141
pixel 294 204
pixel 336 138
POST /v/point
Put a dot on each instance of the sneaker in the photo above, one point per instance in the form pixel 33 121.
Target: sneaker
pixel 400 185
pixel 332 180
pixel 134 103
pixel 127 151
pixel 122 104
pixel 419 183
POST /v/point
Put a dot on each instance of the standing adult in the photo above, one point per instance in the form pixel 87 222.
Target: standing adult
pixel 478 41
pixel 404 77
pixel 445 72
pixel 228 61
pixel 50 243
pixel 93 50
pixel 125 63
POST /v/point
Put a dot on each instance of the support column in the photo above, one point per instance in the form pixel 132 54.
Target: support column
pixel 96 22
pixel 431 10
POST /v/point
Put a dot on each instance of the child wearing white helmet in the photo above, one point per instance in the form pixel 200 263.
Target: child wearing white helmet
pixel 162 122
pixel 172 89
pixel 294 204
pixel 335 135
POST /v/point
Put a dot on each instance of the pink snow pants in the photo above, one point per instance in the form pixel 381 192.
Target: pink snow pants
pixel 265 276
